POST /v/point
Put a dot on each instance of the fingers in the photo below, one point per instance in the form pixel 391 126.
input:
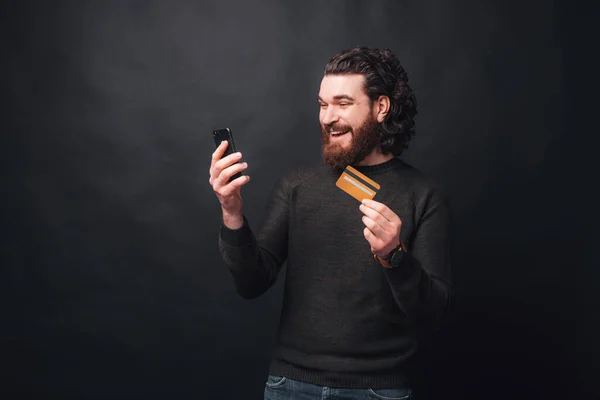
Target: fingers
pixel 217 166
pixel 228 172
pixel 373 240
pixel 375 216
pixel 232 186
pixel 374 227
pixel 382 227
pixel 218 153
pixel 380 208
pixel 216 158
pixel 389 222
pixel 219 178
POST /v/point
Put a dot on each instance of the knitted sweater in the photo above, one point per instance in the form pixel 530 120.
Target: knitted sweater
pixel 346 321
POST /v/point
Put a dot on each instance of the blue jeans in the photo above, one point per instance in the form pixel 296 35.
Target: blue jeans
pixel 282 388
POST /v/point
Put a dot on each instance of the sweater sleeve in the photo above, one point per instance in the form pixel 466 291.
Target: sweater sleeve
pixel 255 262
pixel 421 285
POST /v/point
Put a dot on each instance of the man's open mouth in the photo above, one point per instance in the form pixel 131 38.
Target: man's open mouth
pixel 338 133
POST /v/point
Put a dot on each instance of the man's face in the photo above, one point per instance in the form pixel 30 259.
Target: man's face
pixel 348 124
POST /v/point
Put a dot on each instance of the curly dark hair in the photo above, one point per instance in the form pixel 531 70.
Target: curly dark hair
pixel 384 76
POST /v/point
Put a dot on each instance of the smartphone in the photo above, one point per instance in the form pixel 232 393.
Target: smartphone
pixel 225 134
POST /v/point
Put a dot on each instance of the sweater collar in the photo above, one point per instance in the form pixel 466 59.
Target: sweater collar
pixel 385 166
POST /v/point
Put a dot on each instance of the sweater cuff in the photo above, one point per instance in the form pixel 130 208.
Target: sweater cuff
pixel 237 237
pixel 408 270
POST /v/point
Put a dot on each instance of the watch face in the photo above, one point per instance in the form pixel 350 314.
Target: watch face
pixel 397 258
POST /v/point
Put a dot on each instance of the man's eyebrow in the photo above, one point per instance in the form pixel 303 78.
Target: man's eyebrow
pixel 339 97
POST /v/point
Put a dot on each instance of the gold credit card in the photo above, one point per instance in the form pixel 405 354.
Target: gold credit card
pixel 357 185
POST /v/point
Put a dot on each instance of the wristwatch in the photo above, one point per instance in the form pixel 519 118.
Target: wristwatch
pixel 396 256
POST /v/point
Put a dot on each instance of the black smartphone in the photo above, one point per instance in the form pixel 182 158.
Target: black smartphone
pixel 225 134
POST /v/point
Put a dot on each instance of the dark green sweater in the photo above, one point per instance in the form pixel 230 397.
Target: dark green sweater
pixel 346 321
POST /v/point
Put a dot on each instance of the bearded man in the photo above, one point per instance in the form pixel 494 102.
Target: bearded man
pixel 364 278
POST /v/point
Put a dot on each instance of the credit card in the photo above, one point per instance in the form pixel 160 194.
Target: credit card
pixel 357 185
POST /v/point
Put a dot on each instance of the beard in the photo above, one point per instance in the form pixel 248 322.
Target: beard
pixel 363 141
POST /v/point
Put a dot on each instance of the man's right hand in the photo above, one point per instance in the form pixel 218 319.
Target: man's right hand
pixel 229 194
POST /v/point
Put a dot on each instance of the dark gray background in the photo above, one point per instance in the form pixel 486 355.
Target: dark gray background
pixel 111 283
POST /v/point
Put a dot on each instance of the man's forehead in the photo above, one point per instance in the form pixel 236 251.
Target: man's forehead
pixel 335 85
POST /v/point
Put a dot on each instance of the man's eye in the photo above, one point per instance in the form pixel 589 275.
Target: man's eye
pixel 322 105
pixel 344 104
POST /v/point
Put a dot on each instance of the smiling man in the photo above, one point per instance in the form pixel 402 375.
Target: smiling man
pixel 349 122
pixel 363 279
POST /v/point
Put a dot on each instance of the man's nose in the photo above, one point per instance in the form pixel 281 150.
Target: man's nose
pixel 329 116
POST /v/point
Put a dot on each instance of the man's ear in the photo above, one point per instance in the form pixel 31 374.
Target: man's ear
pixel 381 108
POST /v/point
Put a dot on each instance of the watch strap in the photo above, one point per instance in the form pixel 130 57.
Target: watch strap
pixel 386 263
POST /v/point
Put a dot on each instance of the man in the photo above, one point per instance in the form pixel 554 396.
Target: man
pixel 363 278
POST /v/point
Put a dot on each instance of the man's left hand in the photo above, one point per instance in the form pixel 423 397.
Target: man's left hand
pixel 382 227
